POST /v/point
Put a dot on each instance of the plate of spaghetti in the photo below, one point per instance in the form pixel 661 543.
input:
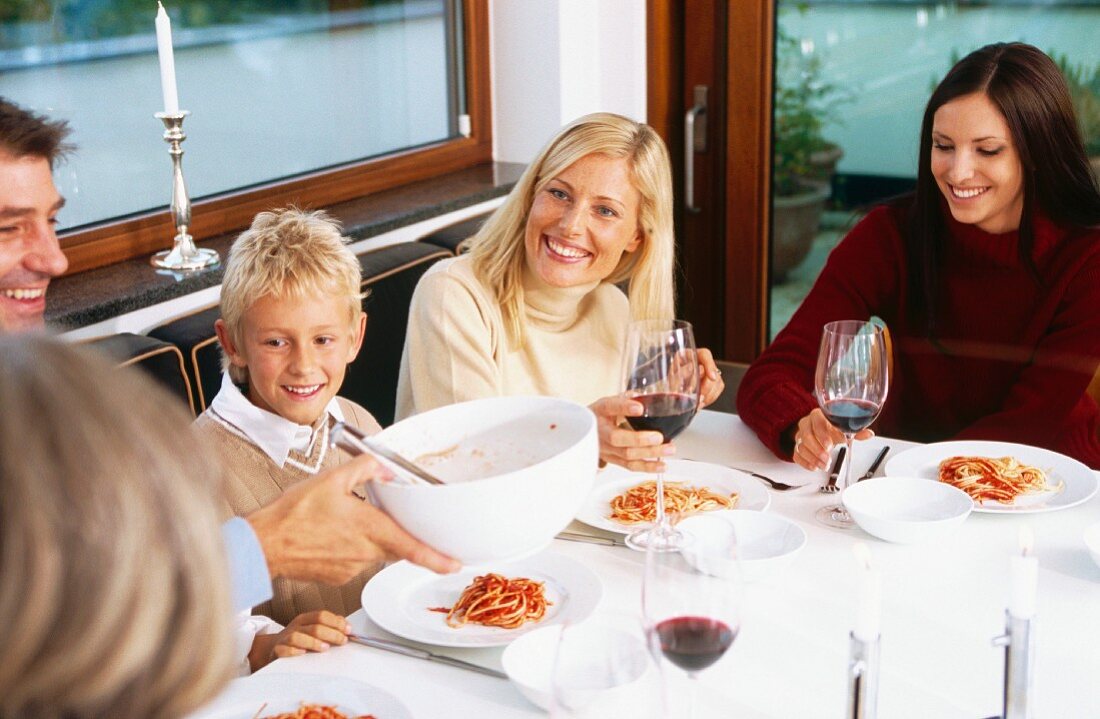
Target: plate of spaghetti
pixel 481 607
pixel 302 696
pixel 1001 477
pixel 622 500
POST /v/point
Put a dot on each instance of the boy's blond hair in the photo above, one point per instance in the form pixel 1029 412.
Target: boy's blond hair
pixel 287 253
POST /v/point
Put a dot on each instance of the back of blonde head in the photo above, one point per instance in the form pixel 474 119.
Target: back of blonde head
pixel 288 253
pixel 498 252
pixel 115 599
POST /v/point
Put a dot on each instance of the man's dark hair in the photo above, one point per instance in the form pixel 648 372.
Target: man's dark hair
pixel 25 134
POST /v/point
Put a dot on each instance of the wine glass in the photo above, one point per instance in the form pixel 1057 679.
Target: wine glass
pixel 661 371
pixel 602 668
pixel 691 607
pixel 850 383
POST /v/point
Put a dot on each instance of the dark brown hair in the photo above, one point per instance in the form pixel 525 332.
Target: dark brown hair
pixel 25 134
pixel 1029 91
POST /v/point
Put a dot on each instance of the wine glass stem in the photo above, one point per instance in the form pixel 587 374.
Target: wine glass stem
pixel 847 461
pixel 661 526
pixel 693 695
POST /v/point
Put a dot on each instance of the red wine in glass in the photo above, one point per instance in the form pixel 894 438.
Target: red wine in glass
pixel 669 413
pixel 661 373
pixel 694 643
pixel 850 415
pixel 851 382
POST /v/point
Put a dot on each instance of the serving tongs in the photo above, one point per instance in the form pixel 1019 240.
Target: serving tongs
pixel 355 442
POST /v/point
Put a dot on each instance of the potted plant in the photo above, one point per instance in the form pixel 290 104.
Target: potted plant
pixel 804 160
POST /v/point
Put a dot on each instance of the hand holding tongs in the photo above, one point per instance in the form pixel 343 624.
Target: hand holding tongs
pixel 354 442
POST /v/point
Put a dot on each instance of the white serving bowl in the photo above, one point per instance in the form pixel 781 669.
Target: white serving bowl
pixel 906 510
pixel 1092 541
pixel 593 648
pixel 517 470
pixel 740 543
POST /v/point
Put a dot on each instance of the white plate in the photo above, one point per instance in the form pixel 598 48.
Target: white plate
pixel 1079 481
pixel 399 598
pixel 613 481
pixel 243 698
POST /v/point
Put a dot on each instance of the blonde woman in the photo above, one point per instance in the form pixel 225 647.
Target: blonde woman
pixel 536 306
pixel 115 599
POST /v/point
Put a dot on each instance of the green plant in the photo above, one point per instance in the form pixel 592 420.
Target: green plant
pixel 804 104
pixel 1084 90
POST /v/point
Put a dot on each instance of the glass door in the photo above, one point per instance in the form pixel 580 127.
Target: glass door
pixel 851 82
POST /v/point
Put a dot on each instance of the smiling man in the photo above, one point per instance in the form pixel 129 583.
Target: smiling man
pixel 30 146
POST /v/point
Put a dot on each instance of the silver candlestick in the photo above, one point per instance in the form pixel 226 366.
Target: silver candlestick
pixel 183 256
pixel 1019 643
pixel 863 670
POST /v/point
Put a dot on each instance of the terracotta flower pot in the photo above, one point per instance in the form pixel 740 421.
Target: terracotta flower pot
pixel 795 222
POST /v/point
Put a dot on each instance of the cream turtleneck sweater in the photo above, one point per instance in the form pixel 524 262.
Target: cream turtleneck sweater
pixel 457 349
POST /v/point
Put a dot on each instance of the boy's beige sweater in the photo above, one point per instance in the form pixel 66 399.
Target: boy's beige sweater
pixel 253 481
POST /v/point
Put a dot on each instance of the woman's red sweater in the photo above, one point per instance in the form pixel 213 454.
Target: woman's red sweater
pixel 1013 358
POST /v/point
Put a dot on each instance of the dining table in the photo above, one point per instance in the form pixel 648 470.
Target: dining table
pixel 942 604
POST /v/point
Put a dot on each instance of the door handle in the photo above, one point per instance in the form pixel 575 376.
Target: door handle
pixel 695 140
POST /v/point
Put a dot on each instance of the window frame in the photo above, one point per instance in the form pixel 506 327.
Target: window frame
pixel 111 241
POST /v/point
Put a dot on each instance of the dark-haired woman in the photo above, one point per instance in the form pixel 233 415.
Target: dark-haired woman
pixel 988 277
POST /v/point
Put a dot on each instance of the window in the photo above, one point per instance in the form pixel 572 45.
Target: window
pixel 864 71
pixel 311 101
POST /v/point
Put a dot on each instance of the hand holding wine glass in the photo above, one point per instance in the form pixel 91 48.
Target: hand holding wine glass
pixel 815 438
pixel 851 382
pixel 661 368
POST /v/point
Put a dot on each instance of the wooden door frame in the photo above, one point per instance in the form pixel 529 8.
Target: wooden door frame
pixel 748 108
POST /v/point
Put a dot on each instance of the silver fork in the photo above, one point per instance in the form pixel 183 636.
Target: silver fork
pixel 834 473
pixel 777 486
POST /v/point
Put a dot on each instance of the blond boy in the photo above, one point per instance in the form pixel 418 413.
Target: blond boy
pixel 291 322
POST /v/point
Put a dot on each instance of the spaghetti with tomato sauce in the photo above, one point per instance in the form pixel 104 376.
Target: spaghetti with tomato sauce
pixel 639 503
pixel 997 479
pixel 497 601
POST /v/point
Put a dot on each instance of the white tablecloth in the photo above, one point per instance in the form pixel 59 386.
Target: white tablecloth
pixel 942 603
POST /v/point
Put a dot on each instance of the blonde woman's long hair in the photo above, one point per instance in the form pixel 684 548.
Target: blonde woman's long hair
pixel 497 250
pixel 115 599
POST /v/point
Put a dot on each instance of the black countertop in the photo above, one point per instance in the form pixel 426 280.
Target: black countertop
pixel 96 295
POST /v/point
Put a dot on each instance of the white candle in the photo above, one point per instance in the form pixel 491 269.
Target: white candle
pixel 167 61
pixel 869 601
pixel 1023 574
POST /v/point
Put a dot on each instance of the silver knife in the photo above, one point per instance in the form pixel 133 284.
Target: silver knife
pixel 591 539
pixel 398 648
pixel 874 465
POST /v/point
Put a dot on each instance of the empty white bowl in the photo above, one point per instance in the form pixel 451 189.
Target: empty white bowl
pixel 599 663
pixel 906 510
pixel 1092 541
pixel 739 543
pixel 517 470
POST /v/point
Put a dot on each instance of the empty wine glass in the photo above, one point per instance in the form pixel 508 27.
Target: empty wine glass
pixel 601 669
pixel 661 371
pixel 691 607
pixel 851 383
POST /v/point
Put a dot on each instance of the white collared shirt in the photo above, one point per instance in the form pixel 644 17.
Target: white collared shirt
pixel 273 434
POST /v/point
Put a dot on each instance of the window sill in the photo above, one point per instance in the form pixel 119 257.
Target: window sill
pixel 89 297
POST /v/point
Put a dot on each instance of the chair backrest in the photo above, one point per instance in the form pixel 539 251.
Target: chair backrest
pixel 194 335
pixel 451 236
pixel 161 360
pixel 390 274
